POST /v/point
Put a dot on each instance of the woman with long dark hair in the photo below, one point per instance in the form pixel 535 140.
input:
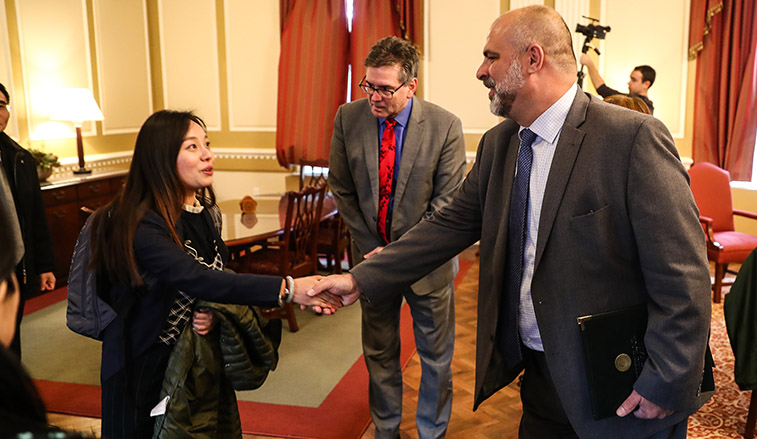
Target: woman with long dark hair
pixel 157 244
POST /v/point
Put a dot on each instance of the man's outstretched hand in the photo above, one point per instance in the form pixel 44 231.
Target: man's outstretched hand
pixel 342 285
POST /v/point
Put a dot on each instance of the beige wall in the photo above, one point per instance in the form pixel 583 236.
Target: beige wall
pixel 220 58
pixel 455 38
pixel 216 57
pixel 745 198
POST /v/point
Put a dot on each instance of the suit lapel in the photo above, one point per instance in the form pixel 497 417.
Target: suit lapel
pixel 369 139
pixel 508 176
pixel 564 159
pixel 414 139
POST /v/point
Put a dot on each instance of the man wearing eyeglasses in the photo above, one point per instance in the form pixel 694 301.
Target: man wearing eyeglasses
pixel 396 159
pixel 35 270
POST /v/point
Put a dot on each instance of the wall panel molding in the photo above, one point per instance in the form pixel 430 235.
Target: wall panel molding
pixel 122 45
pixel 572 12
pixel 122 159
pixel 454 39
pixel 189 58
pixel 666 51
pixel 252 51
pixel 51 63
pixel 6 71
pixel 515 4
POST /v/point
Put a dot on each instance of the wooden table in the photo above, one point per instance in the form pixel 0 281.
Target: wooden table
pixel 243 229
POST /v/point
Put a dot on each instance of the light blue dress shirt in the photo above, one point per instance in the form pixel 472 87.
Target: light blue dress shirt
pixel 547 128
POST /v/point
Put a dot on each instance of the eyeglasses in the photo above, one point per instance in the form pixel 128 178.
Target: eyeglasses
pixel 384 92
pixel 4 105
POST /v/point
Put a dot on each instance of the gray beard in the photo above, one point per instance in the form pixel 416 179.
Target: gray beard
pixel 506 91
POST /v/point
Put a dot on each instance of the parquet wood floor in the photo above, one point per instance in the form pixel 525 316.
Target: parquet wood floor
pixel 497 418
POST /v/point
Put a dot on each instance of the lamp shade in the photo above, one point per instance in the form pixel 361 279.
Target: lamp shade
pixel 76 105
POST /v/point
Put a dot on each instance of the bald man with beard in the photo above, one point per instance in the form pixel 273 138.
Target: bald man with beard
pixel 609 223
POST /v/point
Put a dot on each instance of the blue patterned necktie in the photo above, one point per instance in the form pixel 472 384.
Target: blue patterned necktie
pixel 509 332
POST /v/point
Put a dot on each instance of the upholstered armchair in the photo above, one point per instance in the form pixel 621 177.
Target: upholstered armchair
pixel 711 186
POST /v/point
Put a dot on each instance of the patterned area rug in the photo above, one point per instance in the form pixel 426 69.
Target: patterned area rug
pixel 724 415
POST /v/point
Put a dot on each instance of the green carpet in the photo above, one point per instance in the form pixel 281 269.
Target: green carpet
pixel 312 360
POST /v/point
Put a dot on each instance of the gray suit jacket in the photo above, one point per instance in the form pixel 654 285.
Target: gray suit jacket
pixel 618 227
pixel 431 168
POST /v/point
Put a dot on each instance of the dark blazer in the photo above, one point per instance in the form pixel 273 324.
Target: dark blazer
pixel 740 315
pixel 618 227
pixel 432 166
pixel 38 257
pixel 167 268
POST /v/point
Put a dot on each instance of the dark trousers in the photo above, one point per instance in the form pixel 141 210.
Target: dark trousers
pixel 15 345
pixel 130 394
pixel 27 290
pixel 543 414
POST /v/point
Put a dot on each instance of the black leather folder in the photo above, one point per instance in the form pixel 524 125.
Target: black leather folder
pixel 615 355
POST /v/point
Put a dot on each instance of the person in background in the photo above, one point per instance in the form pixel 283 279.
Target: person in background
pixel 641 78
pixel 396 159
pixel 22 412
pixel 158 245
pixel 631 102
pixel 35 270
pixel 581 208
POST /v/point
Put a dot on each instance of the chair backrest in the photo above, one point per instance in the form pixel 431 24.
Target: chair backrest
pixel 711 187
pixel 301 229
pixel 313 173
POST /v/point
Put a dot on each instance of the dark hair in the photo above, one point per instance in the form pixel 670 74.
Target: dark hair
pixel 5 92
pixel 631 102
pixel 21 408
pixel 647 73
pixel 154 184
pixel 391 51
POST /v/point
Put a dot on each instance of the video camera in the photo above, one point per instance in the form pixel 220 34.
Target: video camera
pixel 590 31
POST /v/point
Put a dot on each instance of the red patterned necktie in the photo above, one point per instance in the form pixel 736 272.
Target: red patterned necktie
pixel 386 175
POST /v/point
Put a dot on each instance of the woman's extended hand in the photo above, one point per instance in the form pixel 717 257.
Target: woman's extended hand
pixel 325 303
pixel 203 321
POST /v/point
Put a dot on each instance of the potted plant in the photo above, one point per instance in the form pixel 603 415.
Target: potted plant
pixel 45 163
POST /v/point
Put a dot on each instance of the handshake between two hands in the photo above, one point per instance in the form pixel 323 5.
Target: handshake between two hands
pixel 326 294
pixel 323 294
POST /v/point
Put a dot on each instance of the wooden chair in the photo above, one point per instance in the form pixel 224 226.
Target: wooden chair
pixel 333 238
pixel 711 187
pixel 294 252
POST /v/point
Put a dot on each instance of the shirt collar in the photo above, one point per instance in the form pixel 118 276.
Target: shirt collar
pixel 197 208
pixel 549 124
pixel 403 116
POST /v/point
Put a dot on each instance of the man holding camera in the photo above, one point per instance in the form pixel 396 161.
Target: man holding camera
pixel 642 77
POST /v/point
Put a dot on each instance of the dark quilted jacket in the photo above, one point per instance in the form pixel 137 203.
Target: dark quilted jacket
pixel 204 371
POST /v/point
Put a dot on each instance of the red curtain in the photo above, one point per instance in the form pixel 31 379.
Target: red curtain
pixel 312 76
pixel 723 38
pixel 376 19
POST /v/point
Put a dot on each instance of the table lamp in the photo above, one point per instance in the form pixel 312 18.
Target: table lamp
pixel 77 105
